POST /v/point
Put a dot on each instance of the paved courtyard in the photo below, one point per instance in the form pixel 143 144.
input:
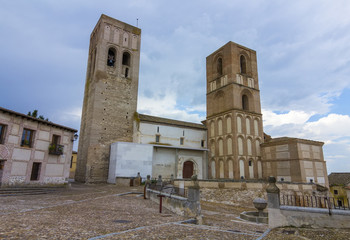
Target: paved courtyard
pixel 110 212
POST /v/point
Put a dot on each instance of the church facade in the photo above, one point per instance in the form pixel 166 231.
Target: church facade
pixel 116 141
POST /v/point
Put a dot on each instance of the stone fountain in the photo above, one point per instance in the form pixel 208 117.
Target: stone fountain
pixel 260 216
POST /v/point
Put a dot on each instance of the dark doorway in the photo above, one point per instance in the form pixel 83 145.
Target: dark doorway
pixel 187 171
pixel 35 171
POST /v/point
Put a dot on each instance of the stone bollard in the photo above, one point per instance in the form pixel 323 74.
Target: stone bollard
pixel 273 194
pixel 147 184
pixel 193 196
pixel 159 181
pixel 137 180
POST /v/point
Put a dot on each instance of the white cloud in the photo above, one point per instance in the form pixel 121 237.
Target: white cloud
pixel 291 117
pixel 165 106
pixel 331 127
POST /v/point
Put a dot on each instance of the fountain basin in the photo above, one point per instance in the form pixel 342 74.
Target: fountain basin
pixel 257 217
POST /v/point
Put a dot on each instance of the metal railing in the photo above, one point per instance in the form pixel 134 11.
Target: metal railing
pixel 166 187
pixel 56 149
pixel 315 202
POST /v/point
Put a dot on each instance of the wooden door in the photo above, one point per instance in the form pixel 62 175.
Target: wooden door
pixel 187 171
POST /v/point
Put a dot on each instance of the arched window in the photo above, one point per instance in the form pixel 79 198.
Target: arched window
pixel 219 66
pixel 229 145
pixel 249 146
pixel 221 147
pixel 213 171
pixel 251 168
pixel 247 125
pixel 228 125
pixel 111 57
pixel 241 169
pixel 230 169
pixel 222 174
pixel 243 64
pixel 245 102
pixel 240 146
pixel 219 127
pixel 126 59
pixel 126 64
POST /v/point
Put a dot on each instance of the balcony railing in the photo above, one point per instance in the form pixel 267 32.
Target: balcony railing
pixel 56 149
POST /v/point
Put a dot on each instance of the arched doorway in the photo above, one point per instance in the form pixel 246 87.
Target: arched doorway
pixel 187 170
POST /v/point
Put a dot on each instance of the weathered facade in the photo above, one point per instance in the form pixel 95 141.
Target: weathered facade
pixel 294 160
pixel 110 96
pixel 233 129
pixel 161 146
pixel 33 151
pixel 234 118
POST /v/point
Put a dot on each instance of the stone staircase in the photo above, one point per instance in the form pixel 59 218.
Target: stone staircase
pixel 21 191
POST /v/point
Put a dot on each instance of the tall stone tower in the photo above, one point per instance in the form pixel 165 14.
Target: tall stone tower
pixel 110 96
pixel 234 118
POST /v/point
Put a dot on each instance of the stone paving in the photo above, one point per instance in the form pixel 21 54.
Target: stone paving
pixel 108 212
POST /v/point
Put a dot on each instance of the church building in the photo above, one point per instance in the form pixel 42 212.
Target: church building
pixel 117 142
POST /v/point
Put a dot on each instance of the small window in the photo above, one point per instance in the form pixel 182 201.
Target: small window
pixel 56 139
pixel 202 143
pixel 126 72
pixel 27 138
pixel 35 171
pixel 111 57
pixel 182 141
pixel 219 66
pixel 335 192
pixel 250 163
pixel 157 138
pixel 243 64
pixel 55 147
pixel 126 59
pixel 71 162
pixel 245 103
pixel 2 133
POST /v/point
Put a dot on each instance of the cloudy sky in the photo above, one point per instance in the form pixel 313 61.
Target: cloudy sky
pixel 303 50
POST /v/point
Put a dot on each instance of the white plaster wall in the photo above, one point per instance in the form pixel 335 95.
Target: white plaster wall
pixel 127 159
pixel 42 145
pixel 21 154
pixel 13 139
pixel 39 155
pixel 171 135
pixel 54 170
pixel 19 168
pixel 44 135
pixel 164 162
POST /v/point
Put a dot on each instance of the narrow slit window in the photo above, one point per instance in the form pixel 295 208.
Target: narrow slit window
pixel 219 66
pixel 245 103
pixel 182 141
pixel 243 64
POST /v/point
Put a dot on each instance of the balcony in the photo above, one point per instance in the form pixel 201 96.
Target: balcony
pixel 56 149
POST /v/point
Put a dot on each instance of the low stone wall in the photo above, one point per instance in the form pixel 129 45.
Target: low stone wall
pixel 282 216
pixel 309 217
pixel 188 207
pixel 242 193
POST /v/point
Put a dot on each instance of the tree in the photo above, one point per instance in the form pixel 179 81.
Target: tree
pixel 35 115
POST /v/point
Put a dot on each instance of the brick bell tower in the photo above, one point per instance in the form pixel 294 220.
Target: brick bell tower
pixel 110 98
pixel 234 117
